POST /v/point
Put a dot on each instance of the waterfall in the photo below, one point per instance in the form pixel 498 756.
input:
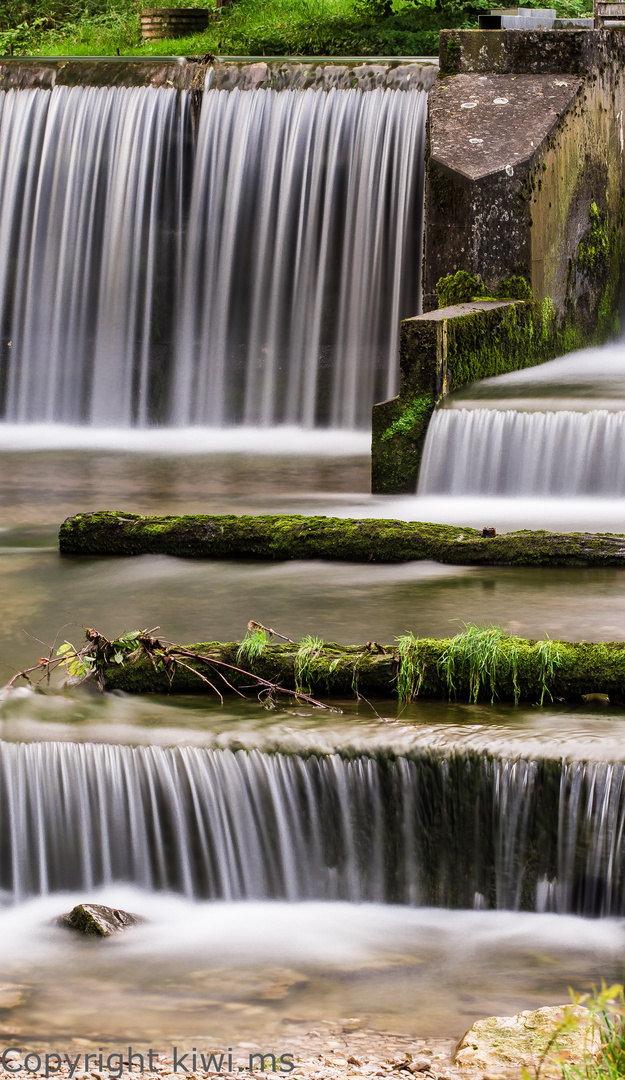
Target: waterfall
pixel 257 278
pixel 304 239
pixel 90 236
pixel 504 452
pixel 450 830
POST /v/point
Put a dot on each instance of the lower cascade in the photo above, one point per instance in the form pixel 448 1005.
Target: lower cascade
pixel 458 831
pixel 505 452
pixel 257 276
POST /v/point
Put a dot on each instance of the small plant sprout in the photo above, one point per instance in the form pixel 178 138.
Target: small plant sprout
pixel 411 668
pixel 310 649
pixel 550 658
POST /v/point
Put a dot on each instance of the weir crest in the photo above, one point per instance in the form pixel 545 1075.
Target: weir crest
pixel 455 830
pixel 256 277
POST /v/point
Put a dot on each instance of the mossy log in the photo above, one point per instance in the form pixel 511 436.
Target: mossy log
pixel 519 669
pixel 293 536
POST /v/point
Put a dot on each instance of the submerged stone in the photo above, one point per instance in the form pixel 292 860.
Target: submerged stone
pixel 98 920
pixel 502 1045
pixel 12 995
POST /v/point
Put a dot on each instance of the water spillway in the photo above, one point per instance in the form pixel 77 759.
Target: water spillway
pixel 509 452
pixel 460 830
pixel 90 235
pixel 304 230
pixel 255 277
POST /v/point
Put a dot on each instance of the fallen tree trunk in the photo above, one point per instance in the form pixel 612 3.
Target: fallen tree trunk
pixel 498 667
pixel 292 536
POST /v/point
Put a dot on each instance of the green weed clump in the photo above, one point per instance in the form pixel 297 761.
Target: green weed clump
pixel 550 659
pixel 252 646
pixel 481 654
pixel 411 668
pixel 606 1015
pixel 310 649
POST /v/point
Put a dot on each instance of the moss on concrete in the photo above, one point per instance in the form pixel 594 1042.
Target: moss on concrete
pixel 594 249
pixel 464 288
pixel 292 536
pixel 410 418
pixel 459 288
pixel 399 427
pixel 485 335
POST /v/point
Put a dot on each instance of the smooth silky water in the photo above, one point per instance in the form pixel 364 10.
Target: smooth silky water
pixel 281 859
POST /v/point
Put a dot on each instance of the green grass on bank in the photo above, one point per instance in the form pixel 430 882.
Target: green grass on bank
pixel 247 28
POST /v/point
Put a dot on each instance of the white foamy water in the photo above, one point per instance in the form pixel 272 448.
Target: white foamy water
pixel 332 934
pixel 272 441
pixel 226 971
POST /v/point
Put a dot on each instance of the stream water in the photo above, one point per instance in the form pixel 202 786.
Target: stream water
pixel 279 963
pixel 407 869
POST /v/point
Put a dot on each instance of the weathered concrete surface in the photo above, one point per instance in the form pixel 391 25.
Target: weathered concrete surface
pixel 484 132
pixel 188 73
pixel 20 74
pixel 504 1045
pixel 480 124
pixel 548 108
pixel 437 352
pixel 323 75
pixel 531 52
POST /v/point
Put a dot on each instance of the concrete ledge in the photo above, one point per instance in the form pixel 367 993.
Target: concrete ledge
pixel 439 352
pixel 188 73
pixel 530 52
pixel 45 74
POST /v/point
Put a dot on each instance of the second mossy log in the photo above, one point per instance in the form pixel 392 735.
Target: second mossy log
pixel 293 536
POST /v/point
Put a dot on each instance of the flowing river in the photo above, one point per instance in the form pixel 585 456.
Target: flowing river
pixel 402 868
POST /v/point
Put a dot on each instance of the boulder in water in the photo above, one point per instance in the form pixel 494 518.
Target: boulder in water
pixel 500 1045
pixel 98 920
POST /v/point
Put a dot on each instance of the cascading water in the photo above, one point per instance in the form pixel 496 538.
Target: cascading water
pixel 424 829
pixel 304 238
pixel 91 221
pixel 509 452
pixel 301 217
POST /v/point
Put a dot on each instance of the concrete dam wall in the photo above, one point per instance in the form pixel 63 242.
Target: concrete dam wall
pixel 524 220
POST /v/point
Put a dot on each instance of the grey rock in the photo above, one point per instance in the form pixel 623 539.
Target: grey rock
pixel 97 920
